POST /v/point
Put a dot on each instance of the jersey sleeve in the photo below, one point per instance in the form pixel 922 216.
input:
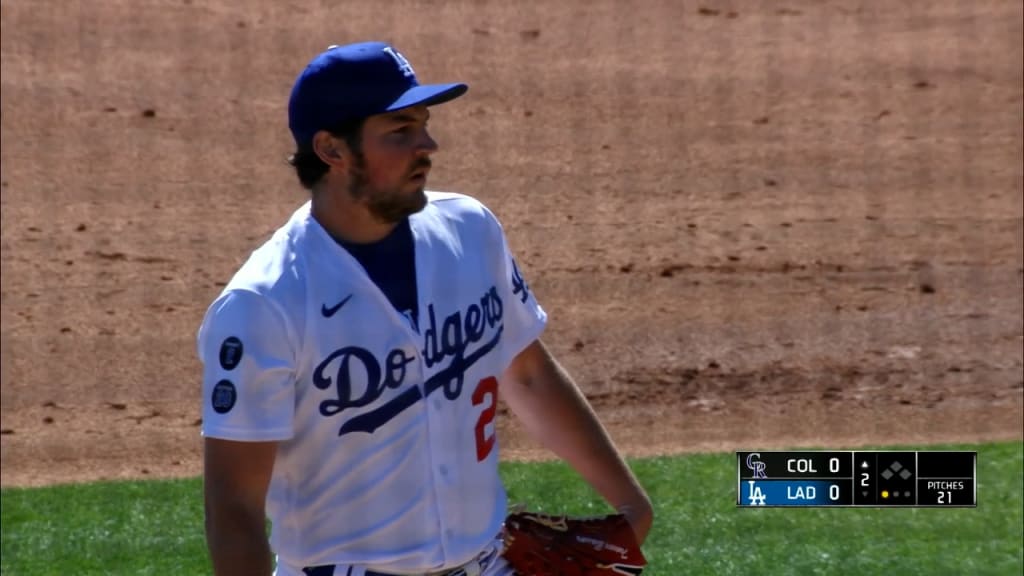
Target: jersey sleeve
pixel 248 363
pixel 524 317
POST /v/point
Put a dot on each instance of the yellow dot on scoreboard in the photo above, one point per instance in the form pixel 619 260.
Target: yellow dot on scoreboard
pixel 885 493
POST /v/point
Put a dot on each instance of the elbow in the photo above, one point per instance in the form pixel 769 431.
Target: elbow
pixel 224 515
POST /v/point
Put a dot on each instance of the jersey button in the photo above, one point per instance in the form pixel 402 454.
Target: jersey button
pixel 443 470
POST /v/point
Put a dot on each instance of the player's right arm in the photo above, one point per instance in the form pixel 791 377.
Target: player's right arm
pixel 235 480
pixel 247 347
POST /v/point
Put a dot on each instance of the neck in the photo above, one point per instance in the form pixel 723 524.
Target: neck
pixel 347 220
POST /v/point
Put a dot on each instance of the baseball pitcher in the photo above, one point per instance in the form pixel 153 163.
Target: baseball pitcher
pixel 352 366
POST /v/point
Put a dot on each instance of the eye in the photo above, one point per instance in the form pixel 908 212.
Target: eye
pixel 411 127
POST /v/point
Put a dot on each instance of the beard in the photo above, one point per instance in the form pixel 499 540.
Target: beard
pixel 388 205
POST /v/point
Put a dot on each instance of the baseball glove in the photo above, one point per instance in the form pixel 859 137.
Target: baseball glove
pixel 550 545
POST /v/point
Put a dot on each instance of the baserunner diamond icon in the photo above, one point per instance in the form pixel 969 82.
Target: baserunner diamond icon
pixel 896 466
pixel 905 474
pixel 886 474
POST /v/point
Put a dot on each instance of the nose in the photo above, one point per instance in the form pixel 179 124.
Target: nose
pixel 427 144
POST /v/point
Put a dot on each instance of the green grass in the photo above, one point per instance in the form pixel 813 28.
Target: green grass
pixel 157 528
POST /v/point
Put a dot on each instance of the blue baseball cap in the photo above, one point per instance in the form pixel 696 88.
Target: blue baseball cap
pixel 355 81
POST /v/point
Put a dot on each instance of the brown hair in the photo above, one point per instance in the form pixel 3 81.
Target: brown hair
pixel 310 168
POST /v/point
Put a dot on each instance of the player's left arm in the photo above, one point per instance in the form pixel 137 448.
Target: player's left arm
pixel 554 411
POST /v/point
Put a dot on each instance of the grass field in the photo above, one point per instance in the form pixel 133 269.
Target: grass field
pixel 156 527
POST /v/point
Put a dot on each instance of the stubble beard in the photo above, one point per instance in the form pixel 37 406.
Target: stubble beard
pixel 386 205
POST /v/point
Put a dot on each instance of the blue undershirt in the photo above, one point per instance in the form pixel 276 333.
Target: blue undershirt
pixel 391 264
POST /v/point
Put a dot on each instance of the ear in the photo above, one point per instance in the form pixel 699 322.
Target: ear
pixel 332 151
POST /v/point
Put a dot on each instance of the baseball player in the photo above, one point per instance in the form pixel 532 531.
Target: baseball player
pixel 352 366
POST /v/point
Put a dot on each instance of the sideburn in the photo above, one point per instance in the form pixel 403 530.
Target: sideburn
pixel 357 186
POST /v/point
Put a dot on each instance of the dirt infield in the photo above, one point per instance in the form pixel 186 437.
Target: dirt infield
pixel 754 224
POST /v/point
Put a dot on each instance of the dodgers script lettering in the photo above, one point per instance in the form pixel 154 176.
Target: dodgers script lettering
pixel 479 323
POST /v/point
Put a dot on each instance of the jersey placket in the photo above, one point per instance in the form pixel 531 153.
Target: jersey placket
pixel 436 421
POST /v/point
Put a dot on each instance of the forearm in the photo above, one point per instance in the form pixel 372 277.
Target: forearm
pixel 238 544
pixel 555 412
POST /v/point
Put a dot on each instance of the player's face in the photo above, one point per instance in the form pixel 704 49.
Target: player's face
pixel 390 175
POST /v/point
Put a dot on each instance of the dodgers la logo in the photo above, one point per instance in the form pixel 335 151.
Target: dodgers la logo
pixel 519 286
pixel 479 323
pixel 756 496
pixel 403 64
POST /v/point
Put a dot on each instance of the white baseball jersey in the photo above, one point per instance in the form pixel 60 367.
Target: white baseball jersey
pixel 387 455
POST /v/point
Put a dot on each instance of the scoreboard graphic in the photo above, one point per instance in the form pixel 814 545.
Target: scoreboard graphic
pixel 939 479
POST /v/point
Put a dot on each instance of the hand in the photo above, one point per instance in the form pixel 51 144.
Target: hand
pixel 640 517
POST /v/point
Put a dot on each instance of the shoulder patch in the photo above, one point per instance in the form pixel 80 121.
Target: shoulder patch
pixel 224 396
pixel 231 353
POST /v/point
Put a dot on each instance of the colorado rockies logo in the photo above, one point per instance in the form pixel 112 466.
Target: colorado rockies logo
pixel 757 466
pixel 452 340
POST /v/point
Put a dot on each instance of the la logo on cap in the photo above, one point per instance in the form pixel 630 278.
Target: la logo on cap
pixel 403 64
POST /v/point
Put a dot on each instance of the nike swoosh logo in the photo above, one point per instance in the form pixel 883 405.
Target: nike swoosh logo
pixel 328 312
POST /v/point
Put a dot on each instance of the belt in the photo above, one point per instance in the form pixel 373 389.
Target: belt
pixel 472 568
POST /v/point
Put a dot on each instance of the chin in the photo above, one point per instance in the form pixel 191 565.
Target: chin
pixel 420 198
pixel 396 212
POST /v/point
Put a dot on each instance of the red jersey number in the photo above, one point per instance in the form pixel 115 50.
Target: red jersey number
pixel 486 392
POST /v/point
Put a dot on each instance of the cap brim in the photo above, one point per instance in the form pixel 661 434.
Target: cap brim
pixel 428 95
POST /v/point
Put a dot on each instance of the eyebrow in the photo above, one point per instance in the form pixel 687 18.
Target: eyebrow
pixel 403 118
